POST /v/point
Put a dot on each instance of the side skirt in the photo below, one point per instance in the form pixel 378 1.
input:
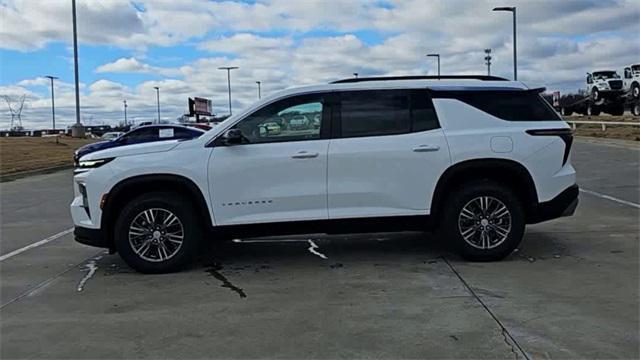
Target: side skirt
pixel 338 226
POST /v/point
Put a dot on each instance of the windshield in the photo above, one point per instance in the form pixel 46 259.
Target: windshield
pixel 635 68
pixel 606 75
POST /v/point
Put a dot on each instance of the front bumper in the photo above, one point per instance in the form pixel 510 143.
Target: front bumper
pixel 564 204
pixel 91 237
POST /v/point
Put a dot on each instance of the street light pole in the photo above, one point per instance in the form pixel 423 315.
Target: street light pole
pixel 53 104
pixel 436 56
pixel 158 100
pixel 259 91
pixel 228 68
pixel 512 9
pixel 77 130
pixel 125 112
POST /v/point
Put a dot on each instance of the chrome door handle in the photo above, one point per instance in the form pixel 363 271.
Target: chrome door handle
pixel 426 148
pixel 304 155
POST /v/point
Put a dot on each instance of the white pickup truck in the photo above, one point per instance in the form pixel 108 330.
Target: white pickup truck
pixel 604 84
pixel 631 80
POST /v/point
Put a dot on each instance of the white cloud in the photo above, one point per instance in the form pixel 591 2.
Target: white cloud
pixel 132 65
pixel 283 43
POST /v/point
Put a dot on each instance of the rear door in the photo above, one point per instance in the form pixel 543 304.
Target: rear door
pixel 386 154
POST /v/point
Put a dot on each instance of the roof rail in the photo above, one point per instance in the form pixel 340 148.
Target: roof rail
pixel 420 77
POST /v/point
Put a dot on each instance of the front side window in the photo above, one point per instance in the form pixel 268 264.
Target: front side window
pixel 507 105
pixel 294 119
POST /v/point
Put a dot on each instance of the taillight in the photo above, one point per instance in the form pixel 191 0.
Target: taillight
pixel 565 134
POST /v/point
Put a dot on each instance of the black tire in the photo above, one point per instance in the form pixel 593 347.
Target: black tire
pixel 595 94
pixel 566 111
pixel 163 203
pixel 635 90
pixel 635 110
pixel 592 110
pixel 617 110
pixel 468 195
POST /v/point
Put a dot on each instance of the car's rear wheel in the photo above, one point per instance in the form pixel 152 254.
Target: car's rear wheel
pixel 635 90
pixel 157 233
pixel 484 221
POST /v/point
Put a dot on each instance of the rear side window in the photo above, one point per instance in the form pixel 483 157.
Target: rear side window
pixel 385 112
pixel 507 105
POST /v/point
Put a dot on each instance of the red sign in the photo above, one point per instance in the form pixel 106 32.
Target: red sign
pixel 200 106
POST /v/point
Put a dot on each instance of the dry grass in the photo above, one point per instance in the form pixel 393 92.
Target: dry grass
pixel 624 132
pixel 19 154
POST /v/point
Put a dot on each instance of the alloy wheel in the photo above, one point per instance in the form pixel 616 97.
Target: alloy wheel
pixel 484 222
pixel 156 235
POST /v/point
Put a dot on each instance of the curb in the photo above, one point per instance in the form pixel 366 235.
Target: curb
pixel 23 174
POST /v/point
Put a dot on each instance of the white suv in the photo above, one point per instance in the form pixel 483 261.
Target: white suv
pixel 474 159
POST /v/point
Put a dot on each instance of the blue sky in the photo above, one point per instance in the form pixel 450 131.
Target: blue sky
pixel 127 48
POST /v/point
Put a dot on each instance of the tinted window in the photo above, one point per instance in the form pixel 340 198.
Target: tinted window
pixel 141 135
pixel 423 115
pixel 386 112
pixel 182 133
pixel 372 113
pixel 507 105
pixel 294 119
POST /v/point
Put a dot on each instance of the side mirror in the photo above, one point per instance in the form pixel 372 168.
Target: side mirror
pixel 232 136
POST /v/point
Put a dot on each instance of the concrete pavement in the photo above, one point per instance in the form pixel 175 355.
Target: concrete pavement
pixel 570 291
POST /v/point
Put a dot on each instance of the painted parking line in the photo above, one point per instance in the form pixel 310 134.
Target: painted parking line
pixel 608 197
pixel 36 244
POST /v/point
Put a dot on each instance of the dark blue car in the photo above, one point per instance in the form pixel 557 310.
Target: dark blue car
pixel 140 135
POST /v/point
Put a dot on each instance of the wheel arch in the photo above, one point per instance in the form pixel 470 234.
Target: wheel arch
pixel 131 187
pixel 508 172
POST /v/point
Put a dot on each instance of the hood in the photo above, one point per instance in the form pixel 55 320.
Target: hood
pixel 135 149
pixel 93 146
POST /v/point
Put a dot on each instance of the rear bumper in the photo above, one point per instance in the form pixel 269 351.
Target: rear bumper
pixel 91 237
pixel 564 204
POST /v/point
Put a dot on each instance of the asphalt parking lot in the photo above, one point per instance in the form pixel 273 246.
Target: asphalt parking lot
pixel 570 291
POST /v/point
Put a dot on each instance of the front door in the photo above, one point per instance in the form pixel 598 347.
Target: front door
pixel 279 171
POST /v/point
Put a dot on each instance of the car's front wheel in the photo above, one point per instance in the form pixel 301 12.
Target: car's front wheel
pixel 157 232
pixel 484 221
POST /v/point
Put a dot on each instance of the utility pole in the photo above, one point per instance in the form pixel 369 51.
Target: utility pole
pixel 125 112
pixel 487 59
pixel 228 68
pixel 259 91
pixel 512 9
pixel 53 104
pixel 158 100
pixel 77 130
pixel 436 56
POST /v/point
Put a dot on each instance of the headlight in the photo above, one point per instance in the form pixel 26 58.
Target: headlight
pixel 89 164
